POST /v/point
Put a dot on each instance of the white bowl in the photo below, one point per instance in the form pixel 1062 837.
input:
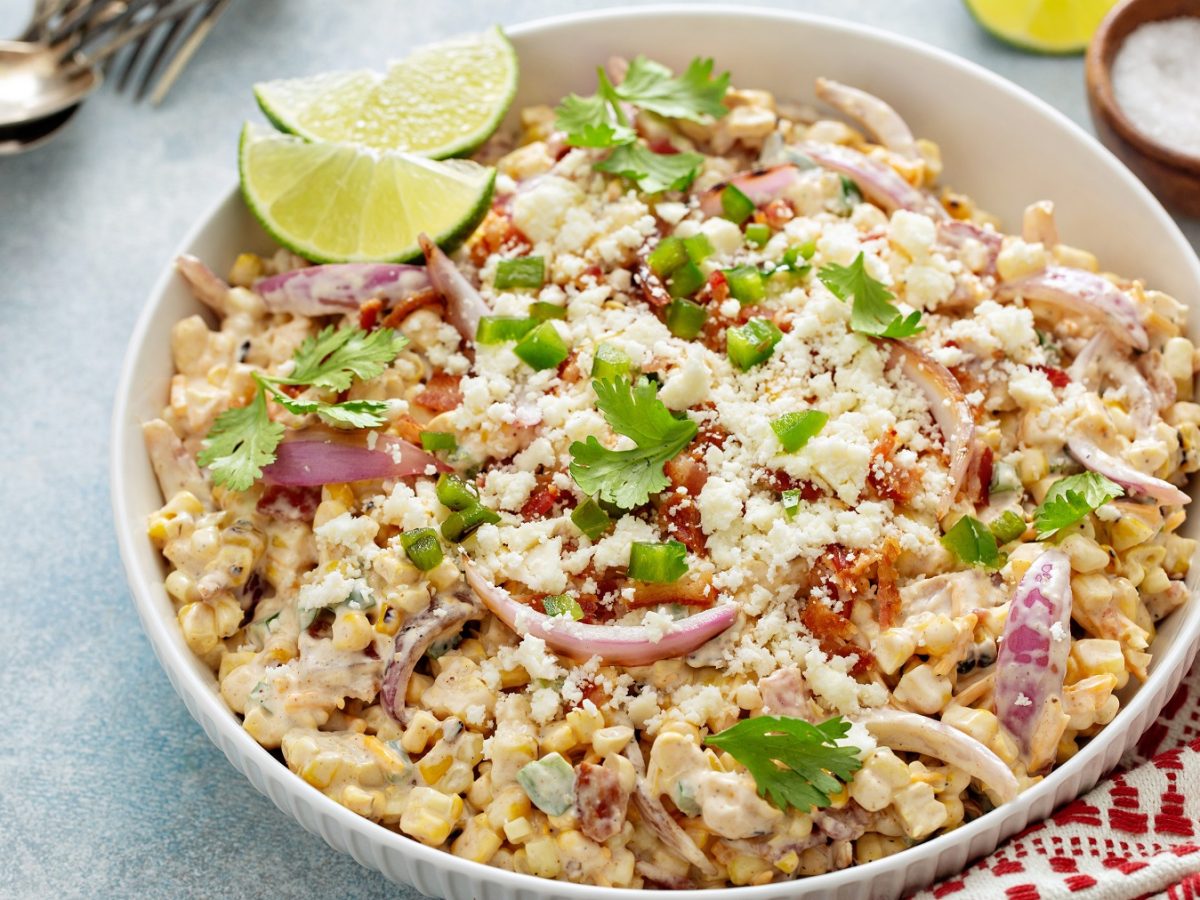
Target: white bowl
pixel 1000 145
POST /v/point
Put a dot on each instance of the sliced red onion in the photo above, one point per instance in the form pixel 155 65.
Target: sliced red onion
pixel 1092 457
pixel 620 645
pixel 445 616
pixel 209 288
pixel 658 820
pixel 318 456
pixel 1032 661
pixel 914 733
pixel 956 232
pixel 1099 358
pixel 174 466
pixel 872 113
pixel 760 185
pixel 948 406
pixel 1084 367
pixel 339 288
pixel 879 183
pixel 1037 224
pixel 464 306
pixel 1087 293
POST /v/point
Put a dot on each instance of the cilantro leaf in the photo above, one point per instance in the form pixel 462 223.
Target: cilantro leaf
pixel 814 764
pixel 972 542
pixel 354 413
pixel 653 172
pixel 1070 499
pixel 873 312
pixel 241 441
pixel 587 123
pixel 693 95
pixel 627 478
pixel 335 357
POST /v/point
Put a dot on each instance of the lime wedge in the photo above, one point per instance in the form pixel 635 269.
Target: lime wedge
pixel 443 100
pixel 338 203
pixel 1043 26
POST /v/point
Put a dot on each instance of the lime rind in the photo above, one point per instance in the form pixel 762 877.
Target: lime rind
pixel 333 203
pixel 1049 27
pixel 441 101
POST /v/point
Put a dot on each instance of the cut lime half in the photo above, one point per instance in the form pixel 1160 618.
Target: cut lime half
pixel 338 203
pixel 1043 26
pixel 443 100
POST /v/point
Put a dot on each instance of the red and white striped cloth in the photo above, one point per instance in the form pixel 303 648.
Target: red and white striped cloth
pixel 1135 835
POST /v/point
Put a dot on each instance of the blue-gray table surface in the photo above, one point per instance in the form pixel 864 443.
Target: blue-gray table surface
pixel 107 786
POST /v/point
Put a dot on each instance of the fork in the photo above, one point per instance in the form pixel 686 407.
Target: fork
pixel 87 33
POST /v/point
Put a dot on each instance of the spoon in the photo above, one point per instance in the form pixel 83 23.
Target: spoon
pixel 34 85
pixel 19 138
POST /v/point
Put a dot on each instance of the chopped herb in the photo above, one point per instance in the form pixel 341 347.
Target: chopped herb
pixel 872 312
pixel 1070 499
pixel 627 478
pixel 795 763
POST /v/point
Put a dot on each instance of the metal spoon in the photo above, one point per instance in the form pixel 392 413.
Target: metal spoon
pixel 34 85
pixel 19 138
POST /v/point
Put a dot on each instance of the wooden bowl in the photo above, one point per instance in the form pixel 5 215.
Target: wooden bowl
pixel 1173 176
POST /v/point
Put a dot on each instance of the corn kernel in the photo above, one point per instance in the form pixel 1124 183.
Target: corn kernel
pixel 585 722
pixel 788 862
pixel 430 815
pixel 444 575
pixel 612 739
pixel 746 869
pixel 357 800
pixel 477 842
pixel 511 803
pixel 320 770
pixel 420 729
pixel 231 661
pixel 518 830
pixel 541 856
pixel 557 737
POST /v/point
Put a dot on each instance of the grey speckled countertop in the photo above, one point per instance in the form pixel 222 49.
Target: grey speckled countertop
pixel 107 786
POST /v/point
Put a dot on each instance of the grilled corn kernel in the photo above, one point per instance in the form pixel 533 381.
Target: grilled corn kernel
pixel 511 803
pixel 1129 531
pixel 541 856
pixel 518 830
pixel 746 869
pixel 181 586
pixel 351 630
pixel 357 800
pixel 612 739
pixel 321 769
pixel 198 625
pixel 433 769
pixel 585 722
pixel 788 862
pixel 893 649
pixel 477 842
pixel 444 575
pixel 231 661
pixel 921 690
pixel 430 815
pixel 411 600
pixel 558 737
pixel 422 727
pixel 978 723
pixel 1095 656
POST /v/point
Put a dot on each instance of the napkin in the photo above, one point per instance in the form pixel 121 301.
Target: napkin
pixel 1136 834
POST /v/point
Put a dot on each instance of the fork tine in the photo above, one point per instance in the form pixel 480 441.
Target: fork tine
pixel 137 32
pixel 201 26
pixel 160 54
pixel 75 22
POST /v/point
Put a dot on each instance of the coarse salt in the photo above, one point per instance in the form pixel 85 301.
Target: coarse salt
pixel 1155 78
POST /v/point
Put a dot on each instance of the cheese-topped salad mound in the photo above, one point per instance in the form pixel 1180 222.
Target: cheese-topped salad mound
pixel 734 505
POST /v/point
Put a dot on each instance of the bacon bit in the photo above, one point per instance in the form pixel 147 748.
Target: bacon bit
pixel 835 632
pixel 1056 377
pixel 779 480
pixel 888 479
pixel 593 610
pixel 651 286
pixel 778 213
pixel 409 305
pixel 368 313
pixel 568 369
pixel 599 801
pixel 690 590
pixel 979 475
pixel 291 504
pixel 850 570
pixel 408 428
pixel 663 147
pixel 590 691
pixel 497 234
pixel 887 592
pixel 441 393
pixel 715 290
pixel 541 500
pixel 680 518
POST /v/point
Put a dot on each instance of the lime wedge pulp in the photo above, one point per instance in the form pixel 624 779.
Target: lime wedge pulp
pixel 1044 26
pixel 443 100
pixel 338 203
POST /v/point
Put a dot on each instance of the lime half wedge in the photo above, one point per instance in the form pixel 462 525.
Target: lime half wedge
pixel 338 203
pixel 1043 26
pixel 443 100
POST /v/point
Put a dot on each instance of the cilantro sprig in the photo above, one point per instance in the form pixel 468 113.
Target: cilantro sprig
pixel 627 478
pixel 1070 499
pixel 872 312
pixel 243 440
pixel 794 762
pixel 599 121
